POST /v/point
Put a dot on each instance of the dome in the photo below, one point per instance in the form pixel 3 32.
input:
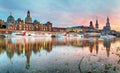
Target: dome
pixel 36 22
pixel 28 20
pixel 10 19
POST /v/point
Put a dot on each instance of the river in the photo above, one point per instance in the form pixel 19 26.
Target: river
pixel 59 55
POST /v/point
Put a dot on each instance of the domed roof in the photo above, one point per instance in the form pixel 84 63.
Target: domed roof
pixel 35 21
pixel 10 19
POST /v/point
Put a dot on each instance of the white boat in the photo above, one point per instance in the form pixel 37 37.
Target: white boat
pixel 18 35
pixel 24 40
pixel 24 34
pixel 75 35
pixel 107 36
pixel 72 36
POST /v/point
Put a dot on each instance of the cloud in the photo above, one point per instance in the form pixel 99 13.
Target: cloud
pixel 63 12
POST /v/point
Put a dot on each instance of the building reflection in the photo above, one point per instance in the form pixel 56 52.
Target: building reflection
pixel 107 45
pixel 91 45
pixel 97 46
pixel 24 45
pixel 28 52
pixel 94 45
pixel 28 46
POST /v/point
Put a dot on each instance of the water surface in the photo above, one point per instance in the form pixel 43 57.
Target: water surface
pixel 59 55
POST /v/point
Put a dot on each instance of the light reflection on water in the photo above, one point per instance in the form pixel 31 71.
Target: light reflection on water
pixel 59 55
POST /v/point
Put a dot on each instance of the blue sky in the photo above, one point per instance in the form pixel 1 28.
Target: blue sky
pixel 63 12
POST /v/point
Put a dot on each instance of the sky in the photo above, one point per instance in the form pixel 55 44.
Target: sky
pixel 64 13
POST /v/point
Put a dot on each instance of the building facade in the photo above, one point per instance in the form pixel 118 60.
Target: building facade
pixel 2 24
pixel 107 27
pixel 28 19
pixel 28 25
pixel 56 29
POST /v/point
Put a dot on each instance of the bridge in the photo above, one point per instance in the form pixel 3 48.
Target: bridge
pixel 93 34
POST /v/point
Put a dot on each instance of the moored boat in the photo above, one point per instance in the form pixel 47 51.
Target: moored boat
pixel 107 36
pixel 24 34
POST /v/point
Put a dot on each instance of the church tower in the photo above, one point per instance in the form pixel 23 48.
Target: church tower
pixel 96 25
pixel 28 19
pixel 91 25
pixel 28 13
pixel 108 24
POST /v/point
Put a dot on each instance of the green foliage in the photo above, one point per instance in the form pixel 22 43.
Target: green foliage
pixel 108 66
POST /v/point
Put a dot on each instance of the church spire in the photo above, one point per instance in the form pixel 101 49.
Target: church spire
pixel 108 20
pixel 11 13
pixel 28 19
pixel 108 24
pixel 97 25
pixel 28 13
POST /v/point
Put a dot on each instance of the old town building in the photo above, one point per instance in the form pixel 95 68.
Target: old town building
pixel 28 25
pixel 107 27
pixel 56 29
pixel 2 24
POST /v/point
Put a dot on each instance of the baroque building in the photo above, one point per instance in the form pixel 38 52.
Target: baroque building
pixel 28 25
pixel 10 22
pixel 2 24
pixel 107 27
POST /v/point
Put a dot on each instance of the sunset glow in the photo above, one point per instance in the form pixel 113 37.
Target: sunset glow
pixel 64 13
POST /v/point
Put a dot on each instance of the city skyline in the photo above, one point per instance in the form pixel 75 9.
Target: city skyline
pixel 65 13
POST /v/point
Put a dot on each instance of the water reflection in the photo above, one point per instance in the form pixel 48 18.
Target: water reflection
pixel 97 46
pixel 91 45
pixel 28 46
pixel 20 45
pixel 25 44
pixel 107 45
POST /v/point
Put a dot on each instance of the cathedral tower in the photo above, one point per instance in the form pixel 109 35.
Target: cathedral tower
pixel 96 25
pixel 108 24
pixel 28 19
